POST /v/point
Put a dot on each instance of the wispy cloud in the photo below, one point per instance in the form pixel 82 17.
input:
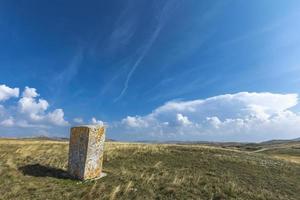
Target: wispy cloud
pixel 197 31
pixel 66 75
pixel 162 19
pixel 123 30
pixel 281 25
pixel 192 86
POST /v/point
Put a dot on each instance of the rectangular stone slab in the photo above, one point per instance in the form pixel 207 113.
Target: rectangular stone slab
pixel 86 151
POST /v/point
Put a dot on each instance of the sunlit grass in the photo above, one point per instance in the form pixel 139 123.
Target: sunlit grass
pixel 147 171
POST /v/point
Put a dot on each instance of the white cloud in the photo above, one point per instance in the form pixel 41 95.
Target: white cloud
pixel 7 122
pixel 2 111
pixel 97 122
pixel 182 120
pixel 57 118
pixel 242 116
pixel 214 121
pixel 78 120
pixel 31 111
pixel 30 92
pixel 34 108
pixel 7 92
pixel 231 117
pixel 135 122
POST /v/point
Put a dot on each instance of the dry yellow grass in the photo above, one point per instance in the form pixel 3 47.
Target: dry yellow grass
pixel 33 169
pixel 294 159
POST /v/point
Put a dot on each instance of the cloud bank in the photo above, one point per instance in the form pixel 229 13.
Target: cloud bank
pixel 7 92
pixel 29 111
pixel 94 121
pixel 242 116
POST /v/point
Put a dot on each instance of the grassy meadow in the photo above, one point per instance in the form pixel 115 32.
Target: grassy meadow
pixel 36 169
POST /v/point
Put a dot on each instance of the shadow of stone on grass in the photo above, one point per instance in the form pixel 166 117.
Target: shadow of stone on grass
pixel 38 170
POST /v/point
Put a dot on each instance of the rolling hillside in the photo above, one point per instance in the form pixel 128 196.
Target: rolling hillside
pixel 35 169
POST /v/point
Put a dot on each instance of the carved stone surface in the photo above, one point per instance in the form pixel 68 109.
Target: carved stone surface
pixel 86 151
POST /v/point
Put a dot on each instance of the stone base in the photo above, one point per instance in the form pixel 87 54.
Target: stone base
pixel 101 176
pixel 97 178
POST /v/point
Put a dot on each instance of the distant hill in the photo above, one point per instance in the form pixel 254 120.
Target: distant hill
pixel 46 138
pixel 219 143
pixel 55 138
pixel 175 141
pixel 297 139
pixel 280 141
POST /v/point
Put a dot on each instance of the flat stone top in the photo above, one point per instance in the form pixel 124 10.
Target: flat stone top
pixel 88 126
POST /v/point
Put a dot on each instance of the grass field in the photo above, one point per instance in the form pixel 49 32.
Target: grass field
pixel 35 169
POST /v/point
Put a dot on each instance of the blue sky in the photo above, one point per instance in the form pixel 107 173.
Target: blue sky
pixel 120 61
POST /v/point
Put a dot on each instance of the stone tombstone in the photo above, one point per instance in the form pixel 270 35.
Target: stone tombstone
pixel 86 151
